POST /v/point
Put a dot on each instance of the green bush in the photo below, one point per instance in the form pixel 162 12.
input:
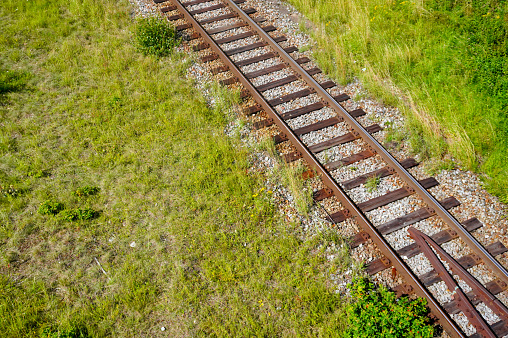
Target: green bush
pixel 155 37
pixel 78 214
pixel 376 312
pixel 86 191
pixel 50 208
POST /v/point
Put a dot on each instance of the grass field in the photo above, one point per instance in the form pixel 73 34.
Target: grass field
pixel 123 208
pixel 443 62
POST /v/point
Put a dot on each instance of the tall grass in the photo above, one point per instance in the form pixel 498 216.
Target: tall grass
pixel 443 62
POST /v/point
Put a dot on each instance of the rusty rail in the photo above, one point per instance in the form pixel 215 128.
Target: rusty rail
pixel 425 243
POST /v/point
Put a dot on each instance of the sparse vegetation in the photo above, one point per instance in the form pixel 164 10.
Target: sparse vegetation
pixel 372 183
pixel 12 81
pixel 299 188
pixel 291 176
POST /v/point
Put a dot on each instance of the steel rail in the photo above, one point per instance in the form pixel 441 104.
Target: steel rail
pixel 426 245
pixel 435 206
pixel 358 215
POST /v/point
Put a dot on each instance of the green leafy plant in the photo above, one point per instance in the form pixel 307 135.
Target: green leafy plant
pixel 376 312
pixel 50 207
pixel 86 191
pixel 78 214
pixel 37 173
pixel 155 37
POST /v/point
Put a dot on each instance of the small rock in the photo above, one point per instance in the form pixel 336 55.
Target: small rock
pixel 163 328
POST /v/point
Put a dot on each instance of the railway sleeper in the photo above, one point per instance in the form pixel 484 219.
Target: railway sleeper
pixel 318 125
pixel 380 201
pixel 172 17
pixel 318 105
pixel 346 138
pixel 499 328
pixel 350 159
pixel 183 27
pixel 265 71
pixel 415 216
pixel 226 28
pixel 197 2
pixel 380 173
pixel 207 9
pixel 200 46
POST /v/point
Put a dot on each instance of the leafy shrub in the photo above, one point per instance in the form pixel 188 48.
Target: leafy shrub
pixel 86 191
pixel 78 214
pixel 50 208
pixel 377 313
pixel 155 37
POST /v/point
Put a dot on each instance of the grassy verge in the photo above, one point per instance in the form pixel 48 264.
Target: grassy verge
pixel 444 63
pixel 123 207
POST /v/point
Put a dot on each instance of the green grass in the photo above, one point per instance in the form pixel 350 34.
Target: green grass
pixel 372 183
pixel 448 63
pixel 187 240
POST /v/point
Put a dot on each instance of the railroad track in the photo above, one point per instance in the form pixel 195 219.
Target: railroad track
pixel 245 49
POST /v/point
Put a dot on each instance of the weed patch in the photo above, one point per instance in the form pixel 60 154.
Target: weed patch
pixel 50 207
pixel 376 312
pixel 372 183
pixel 86 191
pixel 74 332
pixel 78 214
pixel 155 36
pixel 12 81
